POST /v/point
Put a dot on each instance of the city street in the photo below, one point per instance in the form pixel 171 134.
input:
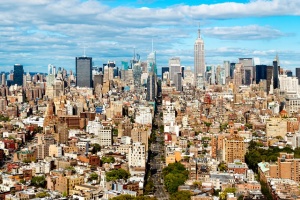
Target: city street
pixel 157 164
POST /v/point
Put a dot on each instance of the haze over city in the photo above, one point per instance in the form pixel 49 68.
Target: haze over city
pixel 36 33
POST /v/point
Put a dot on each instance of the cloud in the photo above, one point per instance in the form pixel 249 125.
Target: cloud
pixel 251 32
pixel 38 32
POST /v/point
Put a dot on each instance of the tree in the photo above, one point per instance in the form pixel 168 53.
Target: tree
pixel 115 131
pixel 223 194
pixel 96 148
pixel 149 187
pixel 129 197
pixel 198 184
pixel 182 195
pixel 172 181
pixel 108 159
pixel 222 167
pixel 93 176
pixel 42 194
pixel 117 174
pixel 38 181
pixel 175 175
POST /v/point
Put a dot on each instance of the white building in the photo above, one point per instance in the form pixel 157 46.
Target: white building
pixel 143 115
pixel 137 155
pixel 174 68
pixel 169 113
pixel 199 62
pixel 289 84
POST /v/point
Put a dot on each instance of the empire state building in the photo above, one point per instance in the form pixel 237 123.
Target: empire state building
pixel 199 62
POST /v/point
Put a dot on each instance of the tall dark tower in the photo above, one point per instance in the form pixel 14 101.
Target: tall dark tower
pixel 275 73
pixel 270 73
pixel 84 71
pixel 261 73
pixel 298 75
pixel 151 87
pixel 18 74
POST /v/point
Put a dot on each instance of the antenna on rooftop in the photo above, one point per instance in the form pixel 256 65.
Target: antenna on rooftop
pixel 199 36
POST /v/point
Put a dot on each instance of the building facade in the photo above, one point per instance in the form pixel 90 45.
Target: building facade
pixel 84 72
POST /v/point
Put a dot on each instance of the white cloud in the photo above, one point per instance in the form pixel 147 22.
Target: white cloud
pixel 251 32
pixel 47 30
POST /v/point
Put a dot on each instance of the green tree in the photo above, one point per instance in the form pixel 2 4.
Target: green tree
pixel 115 131
pixel 108 159
pixel 96 148
pixel 93 176
pixel 116 174
pixel 222 167
pixel 182 195
pixel 172 181
pixel 198 184
pixel 149 187
pixel 129 197
pixel 42 194
pixel 223 194
pixel 38 181
pixel 241 197
pixel 174 175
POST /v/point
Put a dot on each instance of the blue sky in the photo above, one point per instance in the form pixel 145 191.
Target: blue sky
pixel 36 33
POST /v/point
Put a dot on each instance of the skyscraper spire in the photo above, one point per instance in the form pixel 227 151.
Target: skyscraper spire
pixel 199 35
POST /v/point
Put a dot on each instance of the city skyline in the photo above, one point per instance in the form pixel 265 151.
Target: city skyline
pixel 56 32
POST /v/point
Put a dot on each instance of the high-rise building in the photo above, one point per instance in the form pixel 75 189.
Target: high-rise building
pixel 182 72
pixel 269 78
pixel 137 73
pixel 174 67
pixel 232 68
pixel 289 73
pixel 124 65
pixel 226 66
pixel 18 74
pixel 84 71
pixel 275 73
pixel 238 75
pixel 164 69
pixel 3 80
pixel 199 61
pixel 151 62
pixel 178 82
pixel 233 148
pixel 151 87
pixel 298 74
pixel 261 73
pixel 248 70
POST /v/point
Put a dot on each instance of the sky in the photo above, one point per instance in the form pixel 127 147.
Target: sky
pixel 36 33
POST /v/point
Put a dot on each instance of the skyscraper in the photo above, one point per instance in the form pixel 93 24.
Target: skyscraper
pixel 164 69
pixel 174 68
pixel 18 74
pixel 151 87
pixel 248 70
pixel 152 77
pixel 178 82
pixel 261 73
pixel 151 62
pixel 226 66
pixel 275 73
pixel 199 62
pixel 84 71
pixel 298 75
